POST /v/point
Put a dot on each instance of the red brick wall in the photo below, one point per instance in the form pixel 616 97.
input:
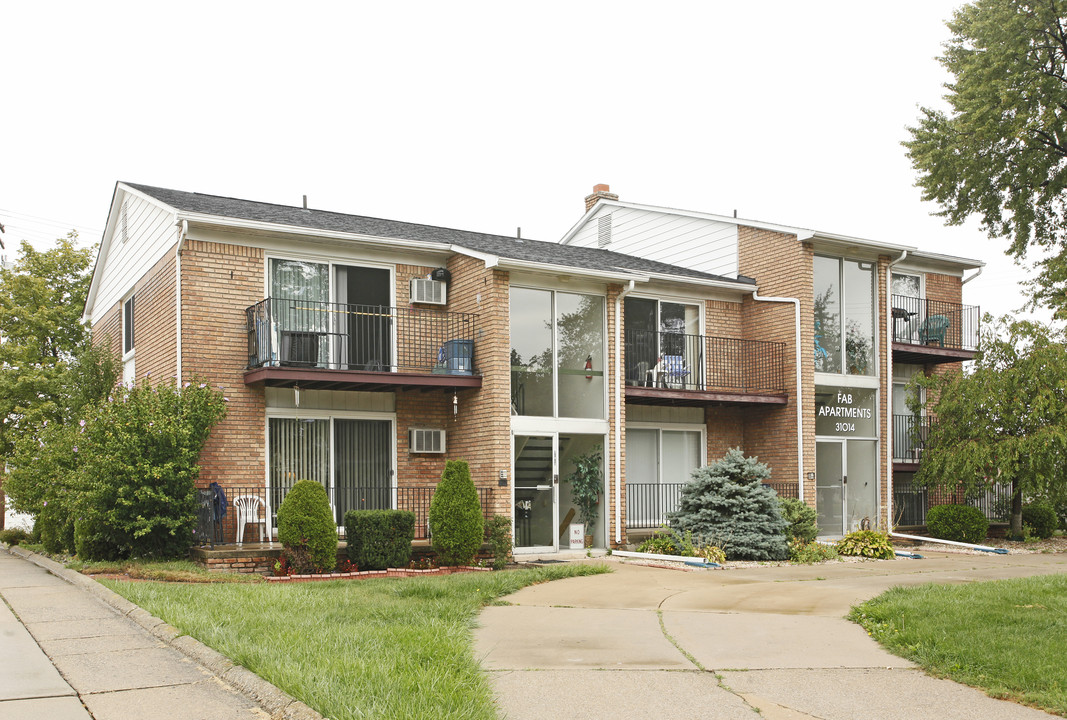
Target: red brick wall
pixel 782 267
pixel 219 281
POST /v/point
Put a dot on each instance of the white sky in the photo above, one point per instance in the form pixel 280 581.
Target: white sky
pixel 482 116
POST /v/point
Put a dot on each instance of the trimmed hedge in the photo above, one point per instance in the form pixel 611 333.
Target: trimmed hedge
pixel 306 528
pixel 1041 519
pixel 379 539
pixel 961 523
pixel 456 524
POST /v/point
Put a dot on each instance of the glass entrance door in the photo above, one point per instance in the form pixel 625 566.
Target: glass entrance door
pixel 846 485
pixel 829 486
pixel 536 474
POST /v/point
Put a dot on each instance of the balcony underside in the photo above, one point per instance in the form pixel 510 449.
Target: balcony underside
pixel 362 380
pixel 639 395
pixel 929 354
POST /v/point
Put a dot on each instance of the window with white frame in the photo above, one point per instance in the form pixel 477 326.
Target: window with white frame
pixel 659 461
pixel 129 373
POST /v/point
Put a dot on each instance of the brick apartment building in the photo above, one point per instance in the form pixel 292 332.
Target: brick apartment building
pixel 361 352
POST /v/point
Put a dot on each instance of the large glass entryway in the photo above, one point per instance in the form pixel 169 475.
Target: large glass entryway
pixel 847 494
pixel 544 509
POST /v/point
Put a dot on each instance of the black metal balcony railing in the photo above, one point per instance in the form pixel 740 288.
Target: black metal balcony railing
pixel 647 504
pixel 699 362
pixel 912 502
pixel 918 321
pixel 910 434
pixel 336 336
pixel 218 519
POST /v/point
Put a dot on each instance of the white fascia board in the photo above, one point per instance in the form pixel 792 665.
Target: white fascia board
pixel 961 262
pixel 105 241
pixel 704 282
pixel 489 259
pixel 266 227
pixel 582 221
pixel 552 268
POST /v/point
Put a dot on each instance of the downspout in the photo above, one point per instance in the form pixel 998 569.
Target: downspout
pixel 889 326
pixel 183 231
pixel 800 387
pixel 972 277
pixel 618 411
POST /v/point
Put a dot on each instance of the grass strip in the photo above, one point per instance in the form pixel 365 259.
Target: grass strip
pixel 386 648
pixel 1005 637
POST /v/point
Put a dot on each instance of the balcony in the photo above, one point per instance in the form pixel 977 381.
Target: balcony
pixel 909 439
pixel 649 504
pixel 334 346
pixel 929 332
pixel 665 368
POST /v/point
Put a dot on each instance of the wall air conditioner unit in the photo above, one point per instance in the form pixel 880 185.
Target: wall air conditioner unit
pixel 424 440
pixel 432 292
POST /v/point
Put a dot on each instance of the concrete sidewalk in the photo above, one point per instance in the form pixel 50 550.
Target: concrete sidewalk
pixel 650 642
pixel 74 650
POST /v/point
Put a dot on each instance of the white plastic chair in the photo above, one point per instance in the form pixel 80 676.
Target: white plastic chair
pixel 246 509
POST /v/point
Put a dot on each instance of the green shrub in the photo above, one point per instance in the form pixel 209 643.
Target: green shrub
pixel 961 523
pixel 1041 519
pixel 306 528
pixel 456 523
pixel 498 533
pixel 668 542
pixel 56 526
pixel 811 552
pixel 379 539
pixel 866 543
pixel 91 540
pixel 712 554
pixel 802 519
pixel 13 536
pixel 728 504
pixel 137 471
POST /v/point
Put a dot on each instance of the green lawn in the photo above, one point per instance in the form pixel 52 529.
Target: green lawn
pixel 1005 637
pixel 385 648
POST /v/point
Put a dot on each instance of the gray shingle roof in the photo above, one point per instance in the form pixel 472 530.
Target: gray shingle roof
pixel 505 247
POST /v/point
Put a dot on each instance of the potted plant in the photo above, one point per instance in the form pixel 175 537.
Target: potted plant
pixel 586 481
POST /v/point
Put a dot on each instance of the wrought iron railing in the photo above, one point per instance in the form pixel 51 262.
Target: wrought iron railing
pixel 220 516
pixel 336 336
pixel 910 434
pixel 699 362
pixel 647 504
pixel 912 502
pixel 919 321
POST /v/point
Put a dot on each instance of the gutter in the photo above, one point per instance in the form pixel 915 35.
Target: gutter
pixel 972 277
pixel 183 232
pixel 800 387
pixel 618 412
pixel 889 327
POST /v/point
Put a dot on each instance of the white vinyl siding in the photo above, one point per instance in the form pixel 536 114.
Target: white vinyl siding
pixel 697 243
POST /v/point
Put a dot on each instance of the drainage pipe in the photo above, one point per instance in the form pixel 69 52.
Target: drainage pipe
pixel 800 386
pixel 183 232
pixel 696 562
pixel 972 546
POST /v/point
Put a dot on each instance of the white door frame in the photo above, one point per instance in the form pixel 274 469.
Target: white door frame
pixel 554 547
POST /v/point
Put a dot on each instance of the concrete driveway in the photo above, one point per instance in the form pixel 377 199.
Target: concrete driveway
pixel 768 642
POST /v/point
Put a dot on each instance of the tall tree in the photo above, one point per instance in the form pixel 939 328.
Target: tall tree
pixel 1005 421
pixel 42 297
pixel 1001 151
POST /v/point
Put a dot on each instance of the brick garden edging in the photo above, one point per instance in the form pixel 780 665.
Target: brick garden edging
pixel 370 574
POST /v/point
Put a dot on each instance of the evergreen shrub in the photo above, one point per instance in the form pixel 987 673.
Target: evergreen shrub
pixel 306 528
pixel 802 519
pixel 1041 519
pixel 456 523
pixel 961 523
pixel 498 534
pixel 868 544
pixel 379 539
pixel 727 504
pixel 14 536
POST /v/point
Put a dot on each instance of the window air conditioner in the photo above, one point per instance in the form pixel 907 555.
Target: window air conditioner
pixel 424 290
pixel 426 441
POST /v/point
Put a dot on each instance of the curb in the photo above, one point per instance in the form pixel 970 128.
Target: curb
pixel 278 703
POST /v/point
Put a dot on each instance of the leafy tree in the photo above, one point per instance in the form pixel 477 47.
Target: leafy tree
pixel 42 297
pixel 1001 151
pixel 726 503
pixel 1003 422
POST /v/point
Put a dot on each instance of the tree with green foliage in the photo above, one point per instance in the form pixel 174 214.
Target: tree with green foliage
pixel 456 523
pixel 1005 421
pixel 42 296
pixel 727 504
pixel 1000 152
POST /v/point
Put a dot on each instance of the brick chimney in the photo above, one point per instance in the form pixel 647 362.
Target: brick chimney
pixel 600 192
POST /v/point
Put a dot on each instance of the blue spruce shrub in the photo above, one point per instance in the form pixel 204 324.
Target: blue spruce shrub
pixel 727 503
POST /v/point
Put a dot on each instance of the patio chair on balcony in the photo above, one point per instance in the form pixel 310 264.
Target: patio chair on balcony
pixel 671 371
pixel 933 330
pixel 246 509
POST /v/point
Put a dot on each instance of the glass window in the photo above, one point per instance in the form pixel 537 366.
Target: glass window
pixel 580 360
pixel 127 325
pixel 531 352
pixel 844 305
pixel 658 463
pixel 827 283
pixel 845 411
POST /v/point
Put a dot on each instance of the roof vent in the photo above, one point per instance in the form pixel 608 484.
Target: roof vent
pixel 603 238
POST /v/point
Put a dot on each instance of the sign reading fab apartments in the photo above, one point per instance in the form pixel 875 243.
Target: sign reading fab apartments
pixel 847 412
